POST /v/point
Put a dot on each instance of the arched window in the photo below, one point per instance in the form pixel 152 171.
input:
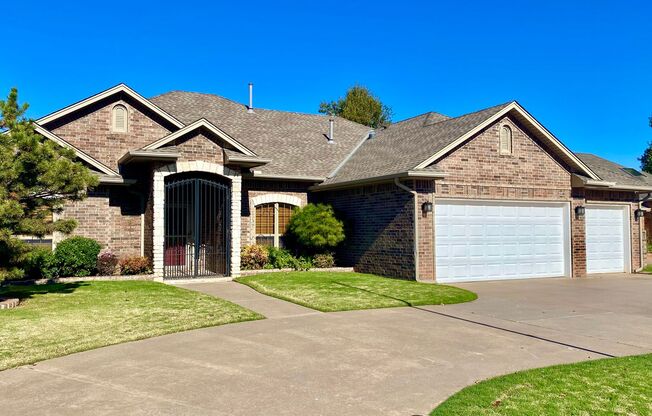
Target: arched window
pixel 119 119
pixel 505 140
pixel 272 220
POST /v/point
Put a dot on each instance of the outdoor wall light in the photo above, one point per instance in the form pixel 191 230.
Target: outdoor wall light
pixel 580 211
pixel 426 207
pixel 639 214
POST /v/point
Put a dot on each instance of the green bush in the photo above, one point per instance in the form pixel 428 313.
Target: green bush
pixel 280 258
pixel 324 260
pixel 76 256
pixel 253 257
pixel 41 264
pixel 315 227
pixel 135 265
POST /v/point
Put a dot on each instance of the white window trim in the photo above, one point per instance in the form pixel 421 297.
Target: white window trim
pixel 275 199
pixel 114 129
pixel 510 151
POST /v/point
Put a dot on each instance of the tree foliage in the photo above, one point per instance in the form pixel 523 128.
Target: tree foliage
pixel 315 227
pixel 37 177
pixel 359 105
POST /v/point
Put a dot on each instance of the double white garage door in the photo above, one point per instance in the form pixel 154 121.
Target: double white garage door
pixel 493 241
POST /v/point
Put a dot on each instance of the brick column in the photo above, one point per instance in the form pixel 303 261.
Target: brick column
pixel 425 223
pixel 578 237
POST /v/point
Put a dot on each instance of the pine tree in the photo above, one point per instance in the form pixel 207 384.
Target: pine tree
pixel 37 176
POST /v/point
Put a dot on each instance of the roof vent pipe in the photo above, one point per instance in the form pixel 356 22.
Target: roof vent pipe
pixel 250 109
pixel 331 125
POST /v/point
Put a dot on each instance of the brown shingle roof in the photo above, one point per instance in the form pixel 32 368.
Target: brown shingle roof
pixel 403 146
pixel 613 172
pixel 295 143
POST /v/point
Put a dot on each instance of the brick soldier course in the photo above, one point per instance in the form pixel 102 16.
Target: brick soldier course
pixel 377 181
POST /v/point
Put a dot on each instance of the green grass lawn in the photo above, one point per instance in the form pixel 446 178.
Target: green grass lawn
pixel 647 268
pixel 60 319
pixel 329 292
pixel 615 386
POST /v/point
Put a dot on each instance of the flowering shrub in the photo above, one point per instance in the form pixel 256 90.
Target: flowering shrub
pixel 107 263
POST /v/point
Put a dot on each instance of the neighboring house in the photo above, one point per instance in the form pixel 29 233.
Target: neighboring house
pixel 187 179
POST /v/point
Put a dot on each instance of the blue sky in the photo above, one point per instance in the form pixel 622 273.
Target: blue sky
pixel 583 68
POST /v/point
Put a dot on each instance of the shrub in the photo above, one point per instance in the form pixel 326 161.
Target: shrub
pixel 40 263
pixel 135 265
pixel 302 263
pixel 76 256
pixel 324 260
pixel 315 227
pixel 280 258
pixel 253 257
pixel 107 263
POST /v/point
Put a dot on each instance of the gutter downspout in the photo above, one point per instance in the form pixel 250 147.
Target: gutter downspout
pixel 398 183
pixel 640 232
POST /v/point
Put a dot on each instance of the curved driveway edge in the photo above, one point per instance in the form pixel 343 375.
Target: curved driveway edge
pixel 399 361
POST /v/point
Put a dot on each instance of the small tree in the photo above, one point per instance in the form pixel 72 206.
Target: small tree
pixel 646 158
pixel 361 106
pixel 37 177
pixel 315 227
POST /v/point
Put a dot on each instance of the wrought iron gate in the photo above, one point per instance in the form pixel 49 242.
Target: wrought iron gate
pixel 197 226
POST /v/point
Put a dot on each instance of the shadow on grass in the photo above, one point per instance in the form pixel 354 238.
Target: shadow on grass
pixel 26 292
pixel 374 293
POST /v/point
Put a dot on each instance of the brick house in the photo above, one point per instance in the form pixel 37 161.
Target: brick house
pixel 187 179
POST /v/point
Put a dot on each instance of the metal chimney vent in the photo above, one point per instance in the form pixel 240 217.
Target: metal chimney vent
pixel 250 109
pixel 331 128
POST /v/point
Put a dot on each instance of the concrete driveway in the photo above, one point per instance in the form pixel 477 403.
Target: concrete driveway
pixel 399 361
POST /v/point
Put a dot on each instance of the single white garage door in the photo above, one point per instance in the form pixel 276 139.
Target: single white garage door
pixel 607 239
pixel 493 241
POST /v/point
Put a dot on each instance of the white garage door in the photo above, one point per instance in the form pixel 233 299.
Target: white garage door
pixel 492 241
pixel 607 239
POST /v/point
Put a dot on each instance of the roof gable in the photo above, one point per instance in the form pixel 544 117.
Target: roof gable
pixel 421 141
pixel 78 152
pixel 118 89
pixel 197 125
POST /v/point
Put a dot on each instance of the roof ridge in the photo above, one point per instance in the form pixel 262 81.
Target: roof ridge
pixel 256 109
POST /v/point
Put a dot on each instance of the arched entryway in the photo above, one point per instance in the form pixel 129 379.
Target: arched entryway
pixel 197 225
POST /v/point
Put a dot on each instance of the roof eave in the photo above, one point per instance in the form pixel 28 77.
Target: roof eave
pixel 259 175
pixel 413 174
pixel 580 182
pixel 244 161
pixel 144 155
pixel 114 180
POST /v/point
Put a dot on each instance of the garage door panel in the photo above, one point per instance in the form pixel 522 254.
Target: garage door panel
pixel 482 241
pixel 606 246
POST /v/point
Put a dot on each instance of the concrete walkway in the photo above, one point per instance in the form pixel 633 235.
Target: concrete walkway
pixel 242 295
pixel 398 361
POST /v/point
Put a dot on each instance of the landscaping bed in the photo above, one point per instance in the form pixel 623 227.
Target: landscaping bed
pixel 328 292
pixel 614 386
pixel 59 319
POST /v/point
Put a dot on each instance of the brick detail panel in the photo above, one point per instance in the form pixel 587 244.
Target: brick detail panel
pixel 379 229
pixel 477 169
pixel 111 216
pixel 91 132
pixel 199 147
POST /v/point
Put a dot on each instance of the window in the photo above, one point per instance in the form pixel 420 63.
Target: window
pixel 119 119
pixel 271 223
pixel 505 140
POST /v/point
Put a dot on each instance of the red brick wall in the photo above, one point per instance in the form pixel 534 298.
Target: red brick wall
pixel 478 170
pixel 199 147
pixel 91 132
pixel 426 231
pixel 379 229
pixel 111 216
pixel 252 188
